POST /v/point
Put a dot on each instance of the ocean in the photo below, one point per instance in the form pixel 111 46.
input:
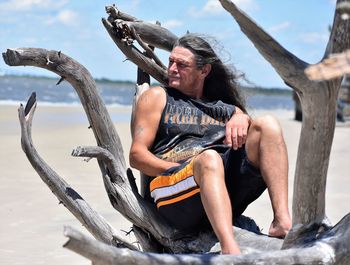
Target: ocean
pixel 16 89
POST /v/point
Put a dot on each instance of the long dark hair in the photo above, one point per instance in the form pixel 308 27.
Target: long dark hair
pixel 221 82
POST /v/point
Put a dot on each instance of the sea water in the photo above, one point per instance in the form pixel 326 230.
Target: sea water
pixel 16 89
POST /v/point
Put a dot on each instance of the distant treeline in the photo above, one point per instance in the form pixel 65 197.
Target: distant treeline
pixel 97 80
pixel 248 90
pixel 267 90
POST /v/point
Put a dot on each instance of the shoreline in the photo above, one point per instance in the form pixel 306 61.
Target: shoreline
pixel 32 219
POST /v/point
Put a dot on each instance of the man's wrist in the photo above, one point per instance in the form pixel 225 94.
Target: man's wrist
pixel 238 111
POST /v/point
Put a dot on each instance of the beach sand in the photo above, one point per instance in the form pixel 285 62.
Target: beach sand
pixel 32 220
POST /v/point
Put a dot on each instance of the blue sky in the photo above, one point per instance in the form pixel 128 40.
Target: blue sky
pixel 75 28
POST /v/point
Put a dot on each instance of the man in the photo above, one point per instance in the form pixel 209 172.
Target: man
pixel 209 159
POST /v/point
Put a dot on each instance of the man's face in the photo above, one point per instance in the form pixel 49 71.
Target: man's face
pixel 183 73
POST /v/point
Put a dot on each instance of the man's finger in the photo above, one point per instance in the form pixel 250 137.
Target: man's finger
pixel 239 137
pixel 244 139
pixel 245 135
pixel 228 140
pixel 234 138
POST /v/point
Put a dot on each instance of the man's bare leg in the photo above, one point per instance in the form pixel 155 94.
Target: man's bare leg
pixel 266 149
pixel 209 174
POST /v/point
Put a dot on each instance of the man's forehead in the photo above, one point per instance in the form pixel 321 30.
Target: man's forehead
pixel 181 53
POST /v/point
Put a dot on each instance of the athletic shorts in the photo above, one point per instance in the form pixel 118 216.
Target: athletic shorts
pixel 177 195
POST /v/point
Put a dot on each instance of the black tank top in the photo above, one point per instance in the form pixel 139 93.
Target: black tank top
pixel 188 126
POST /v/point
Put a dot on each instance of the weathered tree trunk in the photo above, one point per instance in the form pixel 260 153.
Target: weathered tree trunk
pixel 120 187
pixel 318 100
pixel 319 105
pixel 119 181
pixel 331 248
pixel 334 67
pixel 311 241
pixel 93 222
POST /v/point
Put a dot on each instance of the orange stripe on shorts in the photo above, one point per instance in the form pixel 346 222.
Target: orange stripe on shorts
pixel 164 181
pixel 177 199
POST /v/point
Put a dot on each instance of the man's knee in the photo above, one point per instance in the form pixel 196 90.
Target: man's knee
pixel 266 127
pixel 209 161
pixel 267 124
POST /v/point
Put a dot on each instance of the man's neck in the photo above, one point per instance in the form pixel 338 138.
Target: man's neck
pixel 196 92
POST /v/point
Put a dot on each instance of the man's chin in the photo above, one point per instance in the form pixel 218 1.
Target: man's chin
pixel 173 84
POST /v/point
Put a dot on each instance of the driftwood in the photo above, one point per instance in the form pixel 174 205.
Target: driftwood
pixel 335 66
pixel 311 241
pixel 320 253
pixel 119 181
pixel 318 100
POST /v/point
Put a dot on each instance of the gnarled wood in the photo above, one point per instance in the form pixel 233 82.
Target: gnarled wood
pixel 119 181
pixel 132 53
pixel 93 222
pixel 319 104
pixel 311 240
pixel 285 63
pixel 123 197
pixel 84 85
pixel 154 35
pixel 335 66
pixel 318 100
pixel 326 247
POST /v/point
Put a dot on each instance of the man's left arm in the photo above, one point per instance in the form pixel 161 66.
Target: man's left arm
pixel 237 129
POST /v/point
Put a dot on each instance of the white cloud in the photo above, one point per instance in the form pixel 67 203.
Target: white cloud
pixel 66 17
pixel 24 5
pixel 213 7
pixel 132 6
pixel 313 37
pixel 246 5
pixel 173 23
pixel 279 27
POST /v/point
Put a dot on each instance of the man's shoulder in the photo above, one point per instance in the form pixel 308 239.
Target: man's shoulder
pixel 154 97
pixel 156 91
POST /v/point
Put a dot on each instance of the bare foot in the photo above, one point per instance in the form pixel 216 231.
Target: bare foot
pixel 280 228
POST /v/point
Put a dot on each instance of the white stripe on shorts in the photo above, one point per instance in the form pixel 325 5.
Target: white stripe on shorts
pixel 174 189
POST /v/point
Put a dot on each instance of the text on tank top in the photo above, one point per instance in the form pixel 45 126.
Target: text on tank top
pixel 188 126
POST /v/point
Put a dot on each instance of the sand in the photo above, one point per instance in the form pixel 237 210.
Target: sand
pixel 32 220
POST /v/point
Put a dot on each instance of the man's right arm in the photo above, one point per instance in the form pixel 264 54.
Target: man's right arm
pixel 148 112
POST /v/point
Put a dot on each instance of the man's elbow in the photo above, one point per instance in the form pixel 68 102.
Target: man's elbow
pixel 132 160
pixel 134 156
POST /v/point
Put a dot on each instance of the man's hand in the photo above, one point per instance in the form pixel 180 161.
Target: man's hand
pixel 237 129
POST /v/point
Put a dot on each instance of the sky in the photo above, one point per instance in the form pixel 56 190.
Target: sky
pixel 74 27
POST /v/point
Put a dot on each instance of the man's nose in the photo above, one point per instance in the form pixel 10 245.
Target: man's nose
pixel 172 67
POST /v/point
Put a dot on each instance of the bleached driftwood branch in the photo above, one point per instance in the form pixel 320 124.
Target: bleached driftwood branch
pixel 318 100
pixel 125 29
pixel 93 222
pixel 311 240
pixel 319 105
pixel 335 66
pixel 123 195
pixel 325 251
pixel 119 181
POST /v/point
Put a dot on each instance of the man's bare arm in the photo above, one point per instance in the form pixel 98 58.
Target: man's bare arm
pixel 147 116
pixel 237 129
